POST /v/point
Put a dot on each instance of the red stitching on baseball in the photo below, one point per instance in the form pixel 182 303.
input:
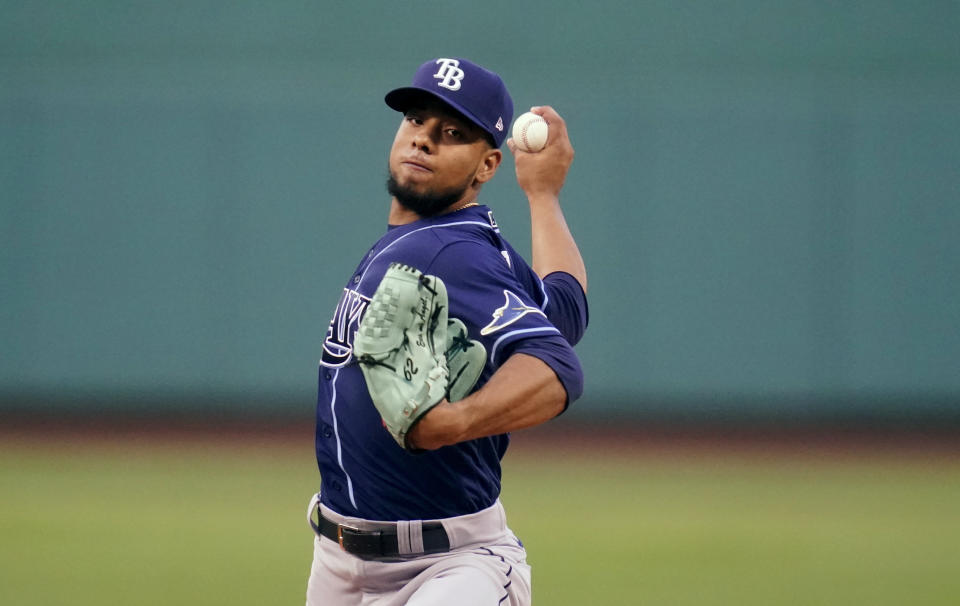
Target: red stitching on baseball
pixel 523 131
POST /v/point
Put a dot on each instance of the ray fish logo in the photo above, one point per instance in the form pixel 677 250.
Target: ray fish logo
pixel 511 311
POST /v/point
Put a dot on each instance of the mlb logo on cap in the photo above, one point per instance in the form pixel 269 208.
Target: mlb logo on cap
pixel 476 92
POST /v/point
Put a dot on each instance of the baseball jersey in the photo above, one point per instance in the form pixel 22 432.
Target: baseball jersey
pixel 503 303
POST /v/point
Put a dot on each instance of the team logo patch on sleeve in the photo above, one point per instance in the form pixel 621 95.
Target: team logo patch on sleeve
pixel 511 311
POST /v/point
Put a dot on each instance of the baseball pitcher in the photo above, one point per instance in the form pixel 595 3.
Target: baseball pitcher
pixel 444 341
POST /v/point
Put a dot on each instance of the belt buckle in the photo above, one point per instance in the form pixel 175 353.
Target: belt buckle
pixel 340 529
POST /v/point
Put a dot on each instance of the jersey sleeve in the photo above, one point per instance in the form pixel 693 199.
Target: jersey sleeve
pixel 557 353
pixel 566 305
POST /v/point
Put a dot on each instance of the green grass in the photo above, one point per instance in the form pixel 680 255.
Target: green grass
pixel 154 525
pixel 129 523
pixel 710 530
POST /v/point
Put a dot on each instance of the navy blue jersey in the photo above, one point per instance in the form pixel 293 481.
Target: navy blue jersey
pixel 503 303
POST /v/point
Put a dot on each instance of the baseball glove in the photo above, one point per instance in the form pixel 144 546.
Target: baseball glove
pixel 465 359
pixel 399 347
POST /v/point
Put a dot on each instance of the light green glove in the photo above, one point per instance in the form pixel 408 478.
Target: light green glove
pixel 399 347
pixel 465 360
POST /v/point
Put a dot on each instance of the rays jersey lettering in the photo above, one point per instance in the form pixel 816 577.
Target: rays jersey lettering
pixel 338 346
pixel 511 311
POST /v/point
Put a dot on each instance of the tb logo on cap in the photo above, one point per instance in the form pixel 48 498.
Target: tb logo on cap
pixel 449 74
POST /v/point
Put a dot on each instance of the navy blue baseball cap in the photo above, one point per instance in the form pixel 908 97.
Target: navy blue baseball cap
pixel 476 92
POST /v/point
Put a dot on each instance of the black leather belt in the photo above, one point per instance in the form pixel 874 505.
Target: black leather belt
pixel 381 543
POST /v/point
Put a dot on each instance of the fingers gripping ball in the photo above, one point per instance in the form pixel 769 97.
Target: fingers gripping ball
pixel 465 359
pixel 530 132
pixel 400 347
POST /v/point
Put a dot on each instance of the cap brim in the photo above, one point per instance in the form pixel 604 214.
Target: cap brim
pixel 402 99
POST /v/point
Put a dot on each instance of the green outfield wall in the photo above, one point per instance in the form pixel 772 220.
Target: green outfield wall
pixel 767 195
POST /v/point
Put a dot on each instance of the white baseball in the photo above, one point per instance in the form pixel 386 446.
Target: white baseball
pixel 530 132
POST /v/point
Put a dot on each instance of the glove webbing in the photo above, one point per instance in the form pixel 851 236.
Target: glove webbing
pixel 434 320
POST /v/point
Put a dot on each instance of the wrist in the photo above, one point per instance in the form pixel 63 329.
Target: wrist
pixel 545 201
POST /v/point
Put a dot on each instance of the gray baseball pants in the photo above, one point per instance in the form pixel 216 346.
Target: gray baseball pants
pixel 486 566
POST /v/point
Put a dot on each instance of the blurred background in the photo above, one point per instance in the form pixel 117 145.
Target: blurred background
pixel 766 196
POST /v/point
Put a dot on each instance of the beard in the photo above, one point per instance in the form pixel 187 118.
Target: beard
pixel 428 203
